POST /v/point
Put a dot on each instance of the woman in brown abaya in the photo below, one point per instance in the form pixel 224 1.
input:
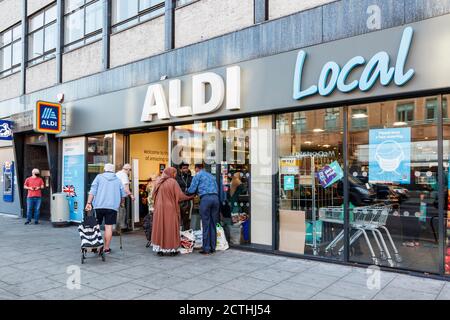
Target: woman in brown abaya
pixel 166 215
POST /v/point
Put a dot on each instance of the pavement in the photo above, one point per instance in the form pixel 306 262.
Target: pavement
pixel 40 262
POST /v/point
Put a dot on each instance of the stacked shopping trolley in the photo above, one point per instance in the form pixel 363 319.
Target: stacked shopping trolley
pixel 364 220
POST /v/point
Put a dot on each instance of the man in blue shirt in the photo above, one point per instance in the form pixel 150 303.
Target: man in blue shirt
pixel 106 195
pixel 205 185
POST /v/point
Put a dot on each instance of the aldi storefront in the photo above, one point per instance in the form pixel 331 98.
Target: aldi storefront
pixel 338 151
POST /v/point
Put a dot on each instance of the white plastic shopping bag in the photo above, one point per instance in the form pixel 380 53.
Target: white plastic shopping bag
pixel 222 243
pixel 198 235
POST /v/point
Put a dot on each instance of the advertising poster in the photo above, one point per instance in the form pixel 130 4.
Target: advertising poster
pixel 289 183
pixel 330 174
pixel 390 155
pixel 73 176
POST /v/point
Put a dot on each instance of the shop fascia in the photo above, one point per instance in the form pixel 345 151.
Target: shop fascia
pixel 156 103
pixel 378 67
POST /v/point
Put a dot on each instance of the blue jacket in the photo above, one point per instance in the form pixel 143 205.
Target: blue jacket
pixel 108 191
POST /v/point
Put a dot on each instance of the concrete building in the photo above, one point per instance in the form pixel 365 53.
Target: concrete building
pixel 151 82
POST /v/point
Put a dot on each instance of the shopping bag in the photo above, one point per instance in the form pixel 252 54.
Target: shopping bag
pixel 235 217
pixel 235 234
pixel 222 243
pixel 187 241
pixel 198 236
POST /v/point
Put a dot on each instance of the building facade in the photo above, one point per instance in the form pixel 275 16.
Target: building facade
pixel 324 122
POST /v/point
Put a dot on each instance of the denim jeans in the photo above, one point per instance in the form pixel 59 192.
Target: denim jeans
pixel 209 213
pixel 33 205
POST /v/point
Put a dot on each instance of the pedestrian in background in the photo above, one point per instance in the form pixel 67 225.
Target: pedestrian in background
pixel 34 185
pixel 124 177
pixel 184 179
pixel 166 216
pixel 106 195
pixel 205 185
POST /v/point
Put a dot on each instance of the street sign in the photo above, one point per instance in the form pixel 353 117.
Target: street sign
pixel 6 130
pixel 48 117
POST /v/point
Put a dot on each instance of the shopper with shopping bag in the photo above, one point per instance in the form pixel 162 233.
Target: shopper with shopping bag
pixel 205 185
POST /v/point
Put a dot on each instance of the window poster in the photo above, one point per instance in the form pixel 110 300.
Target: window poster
pixel 289 183
pixel 73 176
pixel 390 155
pixel 330 174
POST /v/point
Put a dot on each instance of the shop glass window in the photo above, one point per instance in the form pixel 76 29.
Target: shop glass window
pixel 238 153
pixel 10 50
pixel 246 179
pixel 83 22
pixel 99 152
pixel 126 13
pixel 446 195
pixel 393 189
pixel 192 144
pixel 359 118
pixel 405 112
pixel 310 167
pixel 42 35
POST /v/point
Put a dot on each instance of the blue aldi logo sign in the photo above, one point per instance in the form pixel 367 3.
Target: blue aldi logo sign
pixel 48 117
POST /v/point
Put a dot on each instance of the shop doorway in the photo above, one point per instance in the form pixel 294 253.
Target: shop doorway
pixel 149 156
pixel 35 151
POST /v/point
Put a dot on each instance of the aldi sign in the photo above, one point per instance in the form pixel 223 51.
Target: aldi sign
pixel 48 117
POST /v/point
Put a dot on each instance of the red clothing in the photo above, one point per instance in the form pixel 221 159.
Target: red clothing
pixel 34 182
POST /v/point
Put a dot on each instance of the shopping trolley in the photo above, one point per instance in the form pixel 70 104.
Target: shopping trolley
pixel 363 219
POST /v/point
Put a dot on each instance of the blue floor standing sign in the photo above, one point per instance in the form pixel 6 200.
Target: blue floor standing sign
pixel 73 176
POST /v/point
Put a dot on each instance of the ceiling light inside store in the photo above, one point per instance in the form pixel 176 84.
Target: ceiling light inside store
pixel 326 146
pixel 400 123
pixel 308 142
pixel 360 116
pixel 318 130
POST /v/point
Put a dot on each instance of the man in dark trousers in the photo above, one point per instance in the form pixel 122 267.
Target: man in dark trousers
pixel 184 179
pixel 205 185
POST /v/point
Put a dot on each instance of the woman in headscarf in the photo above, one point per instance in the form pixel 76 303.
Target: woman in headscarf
pixel 236 189
pixel 166 215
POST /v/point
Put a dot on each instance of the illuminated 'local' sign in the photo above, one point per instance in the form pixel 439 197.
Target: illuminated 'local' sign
pixel 377 68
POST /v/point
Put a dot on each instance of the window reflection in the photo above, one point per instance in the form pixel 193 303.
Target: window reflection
pixel 311 190
pixel 393 185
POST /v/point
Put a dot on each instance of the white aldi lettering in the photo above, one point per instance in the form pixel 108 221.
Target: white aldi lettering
pixel 378 67
pixel 156 103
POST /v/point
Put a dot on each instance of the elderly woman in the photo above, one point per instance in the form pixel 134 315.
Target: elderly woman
pixel 166 215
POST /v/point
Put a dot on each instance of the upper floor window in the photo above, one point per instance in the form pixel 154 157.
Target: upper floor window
pixel 405 112
pixel 42 35
pixel 10 50
pixel 332 118
pixel 359 117
pixel 83 22
pixel 183 2
pixel 299 122
pixel 126 13
pixel 431 108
